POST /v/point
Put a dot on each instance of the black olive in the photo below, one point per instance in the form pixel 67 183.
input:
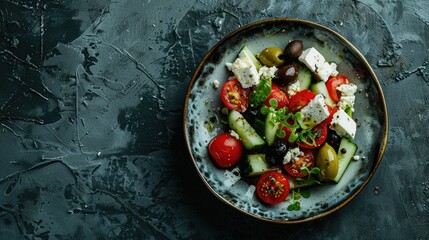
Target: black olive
pixel 294 49
pixel 334 140
pixel 286 74
pixel 277 152
pixel 250 115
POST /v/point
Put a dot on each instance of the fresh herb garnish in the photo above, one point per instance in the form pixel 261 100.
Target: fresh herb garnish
pixel 261 91
pixel 309 179
pixel 296 196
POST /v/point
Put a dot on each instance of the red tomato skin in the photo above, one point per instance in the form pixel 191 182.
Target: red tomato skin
pixel 279 95
pixel 264 195
pixel 225 150
pixel 294 169
pixel 333 83
pixel 233 88
pixel 300 99
pixel 320 140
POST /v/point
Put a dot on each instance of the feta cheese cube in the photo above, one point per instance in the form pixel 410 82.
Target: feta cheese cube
pixel 245 71
pixel 315 61
pixel 311 58
pixel 343 124
pixel 314 112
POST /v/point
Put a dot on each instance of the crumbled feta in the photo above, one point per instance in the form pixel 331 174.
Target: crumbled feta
pixel 292 155
pixel 324 71
pixel 343 124
pixel 347 98
pixel 356 157
pixel 348 89
pixel 293 88
pixel 250 191
pixel 311 58
pixel 234 134
pixel 314 112
pixel 245 71
pixel 346 101
pixel 267 72
pixel 216 84
pixel 231 177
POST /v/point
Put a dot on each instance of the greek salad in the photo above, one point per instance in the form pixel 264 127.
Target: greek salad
pixel 288 120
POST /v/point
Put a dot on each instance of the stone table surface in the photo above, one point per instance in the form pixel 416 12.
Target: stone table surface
pixel 91 105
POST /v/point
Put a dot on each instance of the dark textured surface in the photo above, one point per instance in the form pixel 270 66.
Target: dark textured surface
pixel 91 99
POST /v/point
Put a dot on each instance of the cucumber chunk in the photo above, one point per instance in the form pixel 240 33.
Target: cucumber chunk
pixel 346 151
pixel 270 129
pixel 304 77
pixel 257 165
pixel 320 87
pixel 248 54
pixel 249 137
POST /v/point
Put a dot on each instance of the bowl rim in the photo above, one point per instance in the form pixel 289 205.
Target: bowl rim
pixel 355 51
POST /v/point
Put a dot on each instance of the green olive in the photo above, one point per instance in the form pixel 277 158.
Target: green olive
pixel 271 56
pixel 327 161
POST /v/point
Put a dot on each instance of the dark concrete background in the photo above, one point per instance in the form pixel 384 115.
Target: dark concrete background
pixel 91 101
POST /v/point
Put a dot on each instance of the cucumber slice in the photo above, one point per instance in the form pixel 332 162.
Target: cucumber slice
pixel 304 77
pixel 246 53
pixel 320 87
pixel 270 129
pixel 346 151
pixel 249 137
pixel 257 165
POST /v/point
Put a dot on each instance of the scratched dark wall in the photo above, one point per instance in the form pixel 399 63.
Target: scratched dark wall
pixel 91 101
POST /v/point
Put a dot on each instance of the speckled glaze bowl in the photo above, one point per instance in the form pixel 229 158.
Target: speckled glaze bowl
pixel 202 119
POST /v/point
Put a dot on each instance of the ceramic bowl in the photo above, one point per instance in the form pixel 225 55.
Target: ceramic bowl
pixel 202 118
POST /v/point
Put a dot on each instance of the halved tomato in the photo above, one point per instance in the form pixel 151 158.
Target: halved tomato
pixel 300 99
pixel 333 83
pixel 273 187
pixel 234 96
pixel 294 166
pixel 277 94
pixel 321 131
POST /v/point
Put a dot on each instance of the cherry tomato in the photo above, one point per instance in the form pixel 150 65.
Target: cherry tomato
pixel 225 150
pixel 332 111
pixel 333 83
pixel 277 94
pixel 273 187
pixel 321 131
pixel 300 99
pixel 294 166
pixel 234 96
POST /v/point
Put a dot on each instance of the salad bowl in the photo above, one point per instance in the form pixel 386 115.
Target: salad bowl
pixel 203 120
